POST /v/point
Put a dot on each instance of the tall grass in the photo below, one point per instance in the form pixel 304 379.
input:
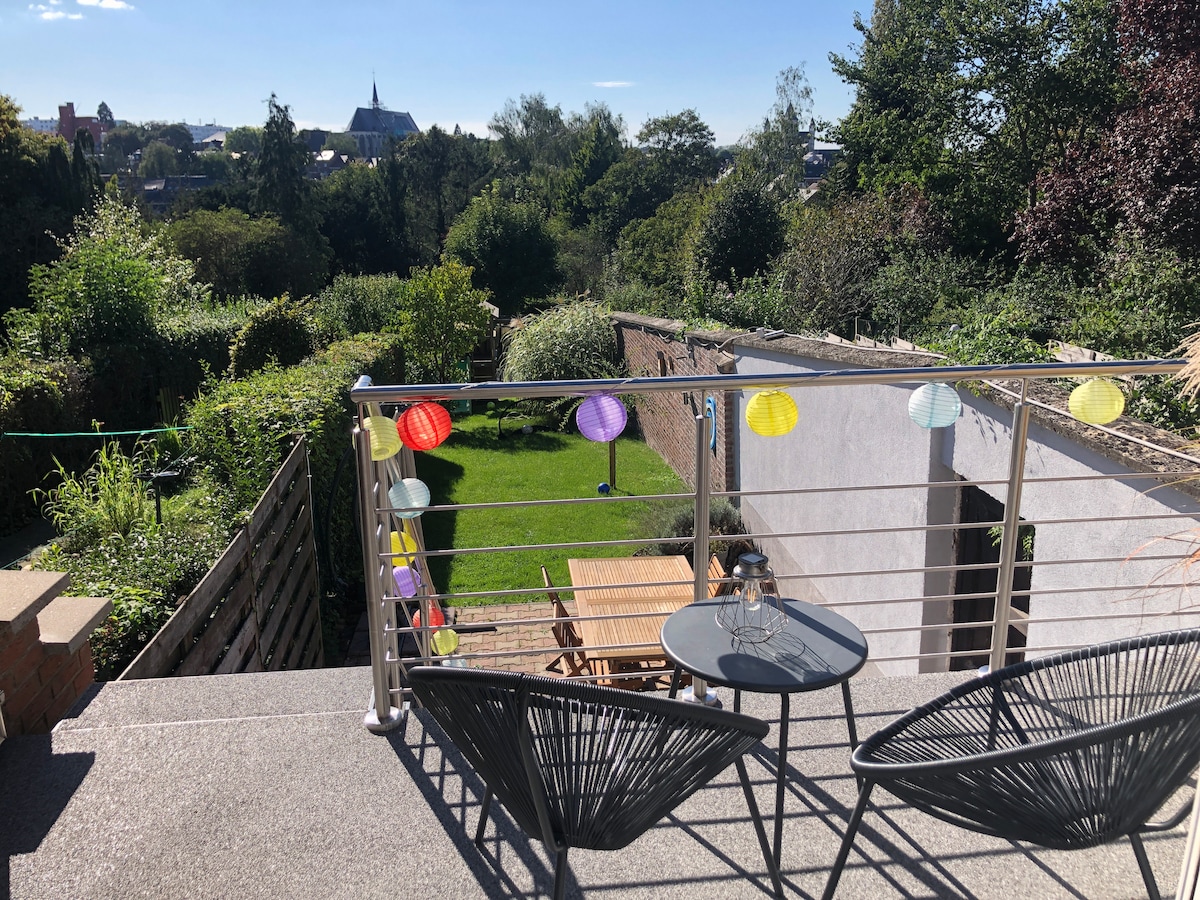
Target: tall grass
pixel 477 465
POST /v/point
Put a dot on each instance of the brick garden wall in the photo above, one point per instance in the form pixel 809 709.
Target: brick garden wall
pixel 668 421
pixel 40 685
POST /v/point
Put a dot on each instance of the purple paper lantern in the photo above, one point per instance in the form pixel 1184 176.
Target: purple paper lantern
pixel 601 418
pixel 408 580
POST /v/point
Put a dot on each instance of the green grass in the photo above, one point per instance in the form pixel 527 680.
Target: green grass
pixel 474 465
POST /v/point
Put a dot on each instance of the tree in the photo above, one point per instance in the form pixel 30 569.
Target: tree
pixel 40 192
pixel 1144 172
pixel 176 135
pixel 126 138
pixel 442 172
pixel 655 251
pixel 281 187
pixel 531 134
pixel 740 233
pixel 113 279
pixel 105 116
pixel 241 256
pixel 342 144
pixel 679 150
pixel 243 139
pixel 508 246
pixel 358 220
pixel 600 150
pixel 159 160
pixel 776 152
pixel 445 320
pixel 969 101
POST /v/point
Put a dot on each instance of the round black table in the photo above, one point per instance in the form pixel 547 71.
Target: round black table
pixel 816 650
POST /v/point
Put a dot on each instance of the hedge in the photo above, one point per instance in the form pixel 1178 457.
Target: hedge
pixel 241 432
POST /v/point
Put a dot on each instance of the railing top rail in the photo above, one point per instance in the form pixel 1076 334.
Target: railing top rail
pixel 365 391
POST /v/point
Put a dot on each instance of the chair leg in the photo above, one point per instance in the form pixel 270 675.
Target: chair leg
pixel 758 827
pixel 560 874
pixel 835 874
pixel 1139 850
pixel 483 814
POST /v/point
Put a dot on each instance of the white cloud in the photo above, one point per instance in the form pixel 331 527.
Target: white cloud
pixel 49 14
pixel 105 4
pixel 612 84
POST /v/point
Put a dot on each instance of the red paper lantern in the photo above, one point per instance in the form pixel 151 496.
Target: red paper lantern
pixel 435 617
pixel 424 426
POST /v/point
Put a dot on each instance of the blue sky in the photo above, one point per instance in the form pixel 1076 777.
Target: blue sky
pixel 444 61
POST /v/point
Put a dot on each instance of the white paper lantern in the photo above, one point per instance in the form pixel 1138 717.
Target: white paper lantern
pixel 409 497
pixel 934 405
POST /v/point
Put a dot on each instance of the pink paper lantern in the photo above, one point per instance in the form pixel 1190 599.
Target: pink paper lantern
pixel 601 418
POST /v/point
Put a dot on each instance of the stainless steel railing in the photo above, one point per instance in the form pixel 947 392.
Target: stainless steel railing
pixel 392 628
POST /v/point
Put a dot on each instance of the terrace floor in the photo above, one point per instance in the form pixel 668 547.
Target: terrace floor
pixel 268 785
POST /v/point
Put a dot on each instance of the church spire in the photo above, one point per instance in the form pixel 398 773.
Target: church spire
pixel 374 95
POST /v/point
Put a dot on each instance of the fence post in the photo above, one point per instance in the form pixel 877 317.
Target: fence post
pixel 1010 539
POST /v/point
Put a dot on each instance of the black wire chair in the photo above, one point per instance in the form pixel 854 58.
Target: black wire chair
pixel 579 765
pixel 1067 751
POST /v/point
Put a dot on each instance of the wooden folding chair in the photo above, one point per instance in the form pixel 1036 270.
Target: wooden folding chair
pixel 572 658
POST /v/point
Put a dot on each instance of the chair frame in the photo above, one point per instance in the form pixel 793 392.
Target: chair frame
pixel 509 727
pixel 576 662
pixel 959 788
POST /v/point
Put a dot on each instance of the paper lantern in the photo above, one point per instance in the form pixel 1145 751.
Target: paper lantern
pixel 771 413
pixel 407 579
pixel 1096 402
pixel 435 617
pixel 424 426
pixel 409 497
pixel 934 406
pixel 445 641
pixel 402 543
pixel 601 418
pixel 384 440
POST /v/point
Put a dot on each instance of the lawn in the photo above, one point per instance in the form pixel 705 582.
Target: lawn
pixel 476 465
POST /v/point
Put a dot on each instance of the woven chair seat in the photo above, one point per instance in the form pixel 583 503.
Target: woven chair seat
pixel 579 765
pixel 1066 751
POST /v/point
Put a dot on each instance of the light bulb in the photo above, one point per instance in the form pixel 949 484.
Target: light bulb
pixel 751 595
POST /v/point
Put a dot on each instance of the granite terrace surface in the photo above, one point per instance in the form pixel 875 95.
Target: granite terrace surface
pixel 268 786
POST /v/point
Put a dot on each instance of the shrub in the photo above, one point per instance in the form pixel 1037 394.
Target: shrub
pixel 40 397
pixel 195 343
pixel 679 520
pixel 278 333
pixel 108 499
pixel 570 341
pixel 357 304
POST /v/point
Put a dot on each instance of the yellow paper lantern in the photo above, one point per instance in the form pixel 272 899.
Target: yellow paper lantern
pixel 402 543
pixel 1096 402
pixel 771 413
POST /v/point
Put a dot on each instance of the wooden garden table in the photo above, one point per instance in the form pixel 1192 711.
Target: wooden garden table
pixel 624 586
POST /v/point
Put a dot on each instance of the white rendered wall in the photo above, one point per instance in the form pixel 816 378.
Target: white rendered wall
pixel 862 435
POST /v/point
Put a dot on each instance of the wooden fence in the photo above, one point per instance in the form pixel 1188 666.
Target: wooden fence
pixel 257 609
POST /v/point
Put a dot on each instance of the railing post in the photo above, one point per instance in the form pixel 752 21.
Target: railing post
pixel 382 716
pixel 699 692
pixel 1010 538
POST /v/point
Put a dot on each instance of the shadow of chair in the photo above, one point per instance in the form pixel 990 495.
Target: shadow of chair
pixel 579 765
pixel 1067 751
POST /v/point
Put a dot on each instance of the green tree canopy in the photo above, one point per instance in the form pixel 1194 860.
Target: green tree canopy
pixel 444 320
pixel 509 246
pixel 243 139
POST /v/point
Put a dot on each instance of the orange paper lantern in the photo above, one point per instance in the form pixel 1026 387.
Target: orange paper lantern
pixel 424 426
